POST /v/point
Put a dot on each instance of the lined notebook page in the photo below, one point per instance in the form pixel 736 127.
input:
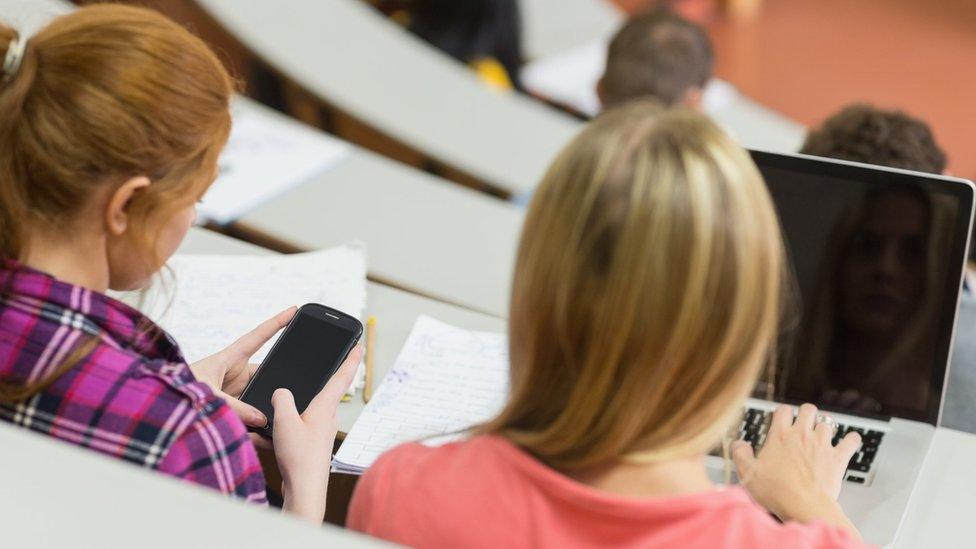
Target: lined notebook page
pixel 216 299
pixel 445 380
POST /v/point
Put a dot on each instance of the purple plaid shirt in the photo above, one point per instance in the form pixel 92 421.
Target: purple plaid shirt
pixel 132 397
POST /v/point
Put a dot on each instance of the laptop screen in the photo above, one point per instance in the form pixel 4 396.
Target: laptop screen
pixel 878 257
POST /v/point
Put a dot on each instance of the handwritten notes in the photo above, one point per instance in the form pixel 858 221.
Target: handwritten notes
pixel 444 381
pixel 267 154
pixel 215 299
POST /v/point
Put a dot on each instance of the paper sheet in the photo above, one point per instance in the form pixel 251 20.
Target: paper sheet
pixel 267 154
pixel 569 78
pixel 215 299
pixel 444 381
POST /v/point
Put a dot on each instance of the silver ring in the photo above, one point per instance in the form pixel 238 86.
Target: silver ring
pixel 826 420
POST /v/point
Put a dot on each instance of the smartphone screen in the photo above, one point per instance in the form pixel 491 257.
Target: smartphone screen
pixel 302 361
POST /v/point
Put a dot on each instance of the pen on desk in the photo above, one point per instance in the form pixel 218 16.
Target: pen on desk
pixel 370 339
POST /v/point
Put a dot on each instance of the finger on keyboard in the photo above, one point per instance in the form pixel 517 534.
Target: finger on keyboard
pixel 807 416
pixel 782 418
pixel 849 445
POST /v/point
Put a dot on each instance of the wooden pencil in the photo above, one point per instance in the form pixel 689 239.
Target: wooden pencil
pixel 370 339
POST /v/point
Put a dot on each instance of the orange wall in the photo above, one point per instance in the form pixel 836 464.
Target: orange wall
pixel 808 58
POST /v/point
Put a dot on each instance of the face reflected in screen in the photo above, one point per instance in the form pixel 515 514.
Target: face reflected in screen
pixel 871 265
pixel 883 272
pixel 879 345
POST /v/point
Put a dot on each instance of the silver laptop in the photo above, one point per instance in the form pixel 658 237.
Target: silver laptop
pixel 878 256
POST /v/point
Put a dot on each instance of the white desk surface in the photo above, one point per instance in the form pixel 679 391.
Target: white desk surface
pixel 553 26
pixel 347 53
pixel 58 495
pixel 395 312
pixel 28 16
pixel 756 126
pixel 941 510
pixel 421 232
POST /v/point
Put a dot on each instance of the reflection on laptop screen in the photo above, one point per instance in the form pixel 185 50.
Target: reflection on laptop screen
pixel 878 259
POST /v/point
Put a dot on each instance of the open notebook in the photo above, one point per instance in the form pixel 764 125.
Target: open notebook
pixel 211 300
pixel 444 381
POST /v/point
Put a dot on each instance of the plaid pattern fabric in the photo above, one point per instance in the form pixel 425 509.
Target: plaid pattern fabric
pixel 132 396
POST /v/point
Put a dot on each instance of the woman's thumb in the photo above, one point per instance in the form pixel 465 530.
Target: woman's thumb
pixel 743 457
pixel 284 407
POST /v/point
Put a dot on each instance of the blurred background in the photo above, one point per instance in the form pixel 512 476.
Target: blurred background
pixel 803 58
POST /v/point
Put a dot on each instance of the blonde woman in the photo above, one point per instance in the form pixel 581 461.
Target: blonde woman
pixel 645 305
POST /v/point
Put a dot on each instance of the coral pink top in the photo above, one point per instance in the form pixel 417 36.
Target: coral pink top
pixel 486 492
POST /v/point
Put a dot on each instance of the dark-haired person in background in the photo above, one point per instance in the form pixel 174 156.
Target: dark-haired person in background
pixel 657 55
pixel 863 133
pixel 485 34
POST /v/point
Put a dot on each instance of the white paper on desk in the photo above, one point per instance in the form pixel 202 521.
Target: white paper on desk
pixel 569 78
pixel 267 154
pixel 215 299
pixel 444 381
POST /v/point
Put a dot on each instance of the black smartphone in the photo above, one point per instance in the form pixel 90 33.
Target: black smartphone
pixel 313 346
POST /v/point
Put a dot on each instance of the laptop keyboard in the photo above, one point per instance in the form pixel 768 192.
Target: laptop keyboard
pixel 755 426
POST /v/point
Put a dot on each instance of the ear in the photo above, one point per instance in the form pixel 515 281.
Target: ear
pixel 600 93
pixel 692 98
pixel 117 209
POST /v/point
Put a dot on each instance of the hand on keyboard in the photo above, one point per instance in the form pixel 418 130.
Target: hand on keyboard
pixel 798 473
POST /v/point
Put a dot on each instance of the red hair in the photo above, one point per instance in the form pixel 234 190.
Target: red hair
pixel 103 94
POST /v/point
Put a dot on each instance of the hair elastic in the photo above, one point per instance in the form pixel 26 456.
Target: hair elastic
pixel 15 54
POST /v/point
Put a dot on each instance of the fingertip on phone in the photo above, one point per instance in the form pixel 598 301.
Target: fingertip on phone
pixel 258 419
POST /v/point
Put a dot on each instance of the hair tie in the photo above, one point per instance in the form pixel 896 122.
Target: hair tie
pixel 15 54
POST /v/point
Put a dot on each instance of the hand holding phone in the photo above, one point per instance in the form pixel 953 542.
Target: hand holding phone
pixel 314 344
pixel 229 371
pixel 303 442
